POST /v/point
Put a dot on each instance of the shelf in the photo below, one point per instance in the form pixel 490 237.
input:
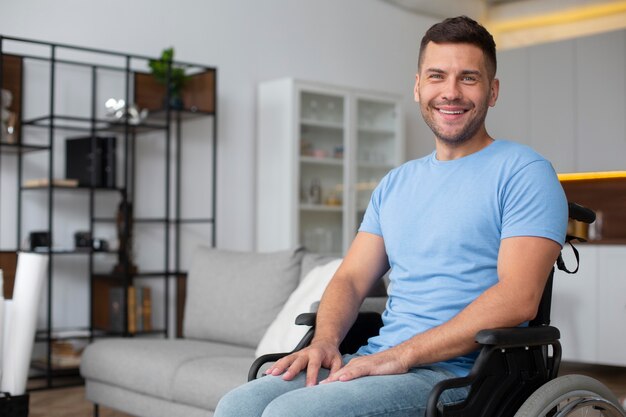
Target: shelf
pixel 321 124
pixel 376 131
pixel 63 334
pixel 141 274
pixel 605 193
pixel 78 111
pixel 68 187
pixel 21 148
pixel 313 160
pixel 79 251
pixel 320 207
pixel 87 124
pixel 198 95
pixel 183 114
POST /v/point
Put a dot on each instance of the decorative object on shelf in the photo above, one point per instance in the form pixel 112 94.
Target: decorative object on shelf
pixel 315 192
pixel 170 76
pixel 82 240
pixel 45 182
pixel 333 199
pixel 92 168
pixel 8 118
pixel 118 110
pixel 306 147
pixel 40 241
pixel 124 225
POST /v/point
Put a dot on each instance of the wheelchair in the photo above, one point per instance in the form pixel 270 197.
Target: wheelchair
pixel 515 373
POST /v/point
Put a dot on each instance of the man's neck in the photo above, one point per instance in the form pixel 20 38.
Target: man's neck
pixel 449 152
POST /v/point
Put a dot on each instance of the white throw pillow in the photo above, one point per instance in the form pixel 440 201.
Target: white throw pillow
pixel 283 334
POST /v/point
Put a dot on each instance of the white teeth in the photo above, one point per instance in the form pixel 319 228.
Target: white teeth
pixel 451 112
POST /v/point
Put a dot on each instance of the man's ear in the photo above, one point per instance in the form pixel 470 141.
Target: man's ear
pixel 416 90
pixel 494 91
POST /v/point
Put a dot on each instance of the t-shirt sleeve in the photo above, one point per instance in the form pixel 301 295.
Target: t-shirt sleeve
pixel 371 219
pixel 534 204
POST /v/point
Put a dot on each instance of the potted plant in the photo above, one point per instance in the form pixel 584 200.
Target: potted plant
pixel 171 76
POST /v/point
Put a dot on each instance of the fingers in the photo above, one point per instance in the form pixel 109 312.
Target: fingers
pixel 281 365
pixel 313 369
pixel 347 373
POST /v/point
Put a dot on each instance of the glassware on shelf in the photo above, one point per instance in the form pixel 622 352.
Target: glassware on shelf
pixel 313 109
pixel 315 192
pixel 333 199
pixel 319 240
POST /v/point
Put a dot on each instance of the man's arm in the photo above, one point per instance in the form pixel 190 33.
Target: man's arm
pixel 524 264
pixel 365 262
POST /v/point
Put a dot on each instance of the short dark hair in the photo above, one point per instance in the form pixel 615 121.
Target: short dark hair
pixel 462 29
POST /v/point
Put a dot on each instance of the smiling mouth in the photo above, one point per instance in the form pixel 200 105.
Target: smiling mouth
pixel 451 112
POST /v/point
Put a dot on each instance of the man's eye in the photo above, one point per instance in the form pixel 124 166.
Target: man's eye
pixel 436 76
pixel 469 79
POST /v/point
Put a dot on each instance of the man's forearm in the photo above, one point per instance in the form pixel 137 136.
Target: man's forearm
pixel 337 311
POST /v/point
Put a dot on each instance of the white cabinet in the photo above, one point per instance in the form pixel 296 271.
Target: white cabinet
pixel 553 127
pixel 601 112
pixel 566 99
pixel 589 307
pixel 321 151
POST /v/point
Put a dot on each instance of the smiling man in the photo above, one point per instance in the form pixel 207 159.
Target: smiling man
pixel 470 233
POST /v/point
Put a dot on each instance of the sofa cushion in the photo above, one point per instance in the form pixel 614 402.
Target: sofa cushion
pixel 311 260
pixel 202 382
pixel 149 366
pixel 283 334
pixel 232 297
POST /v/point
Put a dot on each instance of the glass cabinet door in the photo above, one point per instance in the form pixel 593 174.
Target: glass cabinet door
pixel 377 148
pixel 321 165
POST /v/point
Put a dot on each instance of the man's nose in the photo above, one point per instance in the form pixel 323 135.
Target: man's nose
pixel 451 90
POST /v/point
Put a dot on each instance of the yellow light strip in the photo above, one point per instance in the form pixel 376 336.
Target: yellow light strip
pixel 558 18
pixel 601 175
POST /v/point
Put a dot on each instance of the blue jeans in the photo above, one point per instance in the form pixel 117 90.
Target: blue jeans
pixel 388 395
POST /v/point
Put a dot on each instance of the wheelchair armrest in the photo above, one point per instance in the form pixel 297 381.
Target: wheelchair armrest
pixel 496 340
pixel 518 336
pixel 306 319
pixel 261 360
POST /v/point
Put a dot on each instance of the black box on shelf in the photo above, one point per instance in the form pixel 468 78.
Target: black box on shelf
pixel 91 167
pixel 39 240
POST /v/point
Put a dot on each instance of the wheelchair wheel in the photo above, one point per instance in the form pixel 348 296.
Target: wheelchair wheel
pixel 573 396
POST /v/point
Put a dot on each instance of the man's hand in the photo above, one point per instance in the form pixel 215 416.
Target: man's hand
pixel 388 362
pixel 316 355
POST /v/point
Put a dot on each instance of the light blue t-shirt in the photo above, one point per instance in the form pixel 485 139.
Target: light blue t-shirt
pixel 442 223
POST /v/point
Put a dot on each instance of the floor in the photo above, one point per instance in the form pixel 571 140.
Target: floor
pixel 71 402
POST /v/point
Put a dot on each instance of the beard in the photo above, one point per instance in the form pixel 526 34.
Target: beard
pixel 466 132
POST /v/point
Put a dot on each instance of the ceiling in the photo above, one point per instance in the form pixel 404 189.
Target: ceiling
pixel 523 22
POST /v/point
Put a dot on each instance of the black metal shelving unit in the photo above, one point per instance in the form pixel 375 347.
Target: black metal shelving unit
pixel 140 89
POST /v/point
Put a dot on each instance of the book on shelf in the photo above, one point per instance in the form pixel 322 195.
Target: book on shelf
pixel 44 182
pixel 146 309
pixel 132 309
pixel 139 309
pixel 116 310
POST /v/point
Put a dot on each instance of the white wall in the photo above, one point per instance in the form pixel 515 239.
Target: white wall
pixel 360 43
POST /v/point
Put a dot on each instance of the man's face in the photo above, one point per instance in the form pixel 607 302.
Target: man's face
pixel 454 91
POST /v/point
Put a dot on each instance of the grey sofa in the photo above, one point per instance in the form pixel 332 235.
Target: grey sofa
pixel 232 298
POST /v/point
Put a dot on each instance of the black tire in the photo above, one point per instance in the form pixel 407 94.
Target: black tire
pixel 555 394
